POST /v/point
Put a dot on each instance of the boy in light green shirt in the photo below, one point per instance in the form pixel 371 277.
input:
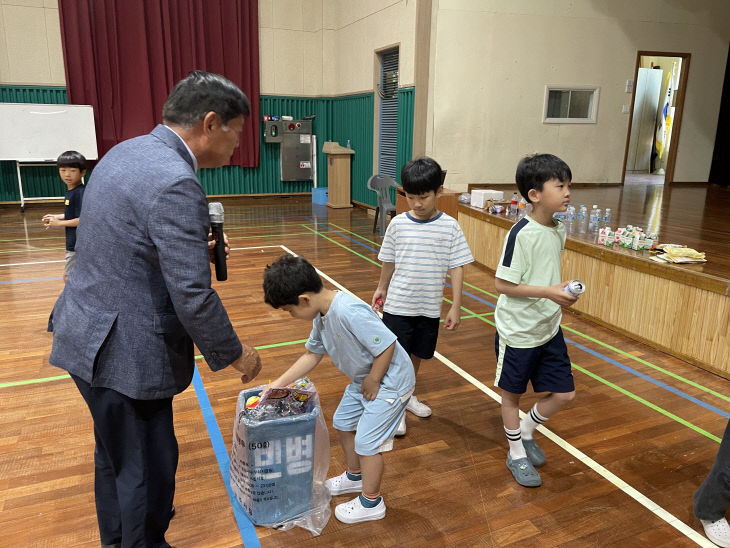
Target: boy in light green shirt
pixel 529 342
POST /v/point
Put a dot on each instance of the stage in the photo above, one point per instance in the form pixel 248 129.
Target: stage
pixel 683 310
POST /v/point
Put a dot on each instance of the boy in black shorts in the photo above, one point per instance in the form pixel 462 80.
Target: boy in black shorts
pixel 419 248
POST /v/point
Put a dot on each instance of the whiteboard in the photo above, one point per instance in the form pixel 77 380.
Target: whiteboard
pixel 40 133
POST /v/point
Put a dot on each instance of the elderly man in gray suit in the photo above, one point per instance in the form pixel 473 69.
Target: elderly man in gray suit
pixel 140 295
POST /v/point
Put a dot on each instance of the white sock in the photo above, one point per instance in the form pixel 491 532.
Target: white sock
pixel 531 421
pixel 516 449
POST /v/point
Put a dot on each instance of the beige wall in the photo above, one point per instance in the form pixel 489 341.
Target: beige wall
pixel 490 62
pixel 488 85
pixel 30 43
pixel 327 47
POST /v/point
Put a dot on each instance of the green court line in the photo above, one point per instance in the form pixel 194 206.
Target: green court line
pixel 34 381
pixel 354 234
pixel 34 250
pixel 42 238
pixel 648 404
pixel 267 236
pixel 649 364
pixel 376 263
pixel 198 357
pixel 588 337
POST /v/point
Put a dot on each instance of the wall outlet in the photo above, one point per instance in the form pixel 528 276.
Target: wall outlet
pixel 625 109
pixel 629 86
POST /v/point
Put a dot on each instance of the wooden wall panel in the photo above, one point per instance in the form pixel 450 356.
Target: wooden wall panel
pixel 675 316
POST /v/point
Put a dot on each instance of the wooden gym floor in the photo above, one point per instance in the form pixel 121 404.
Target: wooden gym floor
pixel 623 461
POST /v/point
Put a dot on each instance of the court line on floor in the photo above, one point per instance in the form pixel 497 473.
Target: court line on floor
pixel 246 528
pixel 33 263
pixel 222 457
pixel 635 494
pixel 639 497
pixel 596 341
pixel 597 377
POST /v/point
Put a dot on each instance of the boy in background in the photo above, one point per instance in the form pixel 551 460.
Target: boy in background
pixel 529 342
pixel 363 349
pixel 419 248
pixel 71 169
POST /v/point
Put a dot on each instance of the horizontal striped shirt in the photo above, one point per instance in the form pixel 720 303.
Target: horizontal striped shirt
pixel 423 251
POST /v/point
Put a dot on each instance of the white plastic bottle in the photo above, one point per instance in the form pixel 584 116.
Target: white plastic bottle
pixel 582 219
pixel 593 219
pixel 607 217
pixel 521 208
pixel 569 218
pixel 513 205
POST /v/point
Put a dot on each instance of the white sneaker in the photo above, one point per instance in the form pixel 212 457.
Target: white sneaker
pixel 355 512
pixel 717 531
pixel 417 408
pixel 341 484
pixel 401 431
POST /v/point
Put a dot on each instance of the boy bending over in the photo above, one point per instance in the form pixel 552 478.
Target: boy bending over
pixel 367 352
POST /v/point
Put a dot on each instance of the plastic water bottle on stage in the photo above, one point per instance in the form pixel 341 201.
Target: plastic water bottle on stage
pixel 582 219
pixel 607 217
pixel 594 218
pixel 569 219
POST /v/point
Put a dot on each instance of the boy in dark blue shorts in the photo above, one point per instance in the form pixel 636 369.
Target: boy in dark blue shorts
pixel 529 342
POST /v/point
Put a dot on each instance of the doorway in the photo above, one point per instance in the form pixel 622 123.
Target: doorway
pixel 657 101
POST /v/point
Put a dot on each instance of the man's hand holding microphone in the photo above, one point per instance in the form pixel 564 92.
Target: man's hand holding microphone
pixel 249 364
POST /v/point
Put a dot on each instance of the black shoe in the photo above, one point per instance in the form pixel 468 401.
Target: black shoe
pixel 115 545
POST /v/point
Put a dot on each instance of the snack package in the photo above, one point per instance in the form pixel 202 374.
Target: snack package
pixel 280 457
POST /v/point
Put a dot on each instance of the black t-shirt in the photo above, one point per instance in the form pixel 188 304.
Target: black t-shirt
pixel 72 210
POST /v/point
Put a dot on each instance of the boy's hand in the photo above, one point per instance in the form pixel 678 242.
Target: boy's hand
pixel 211 245
pixel 557 294
pixel 249 364
pixel 50 220
pixel 452 319
pixel 378 300
pixel 370 387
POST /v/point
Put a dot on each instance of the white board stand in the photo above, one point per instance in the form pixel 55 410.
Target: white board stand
pixel 40 133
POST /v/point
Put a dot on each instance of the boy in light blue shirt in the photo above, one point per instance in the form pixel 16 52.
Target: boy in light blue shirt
pixel 365 350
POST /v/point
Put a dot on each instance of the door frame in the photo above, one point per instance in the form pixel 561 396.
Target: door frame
pixel 678 110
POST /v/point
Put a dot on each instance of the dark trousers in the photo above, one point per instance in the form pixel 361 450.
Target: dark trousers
pixel 712 499
pixel 135 463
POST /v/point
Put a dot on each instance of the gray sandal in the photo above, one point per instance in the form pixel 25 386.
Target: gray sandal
pixel 524 472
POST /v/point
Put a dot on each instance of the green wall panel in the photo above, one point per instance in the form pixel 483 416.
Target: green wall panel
pixel 337 119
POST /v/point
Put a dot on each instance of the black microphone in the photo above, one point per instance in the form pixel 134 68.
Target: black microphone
pixel 215 212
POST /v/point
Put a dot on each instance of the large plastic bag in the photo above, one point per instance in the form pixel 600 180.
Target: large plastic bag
pixel 279 460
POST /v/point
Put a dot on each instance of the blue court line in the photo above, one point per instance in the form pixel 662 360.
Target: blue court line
pixel 245 527
pixel 32 280
pixel 592 352
pixel 626 368
pixel 650 379
pixel 328 229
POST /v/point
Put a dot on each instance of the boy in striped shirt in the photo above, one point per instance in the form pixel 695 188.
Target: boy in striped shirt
pixel 419 248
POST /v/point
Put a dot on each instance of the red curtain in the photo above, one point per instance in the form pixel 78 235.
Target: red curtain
pixel 124 56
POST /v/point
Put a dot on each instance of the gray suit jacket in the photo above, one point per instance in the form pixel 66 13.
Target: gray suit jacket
pixel 139 293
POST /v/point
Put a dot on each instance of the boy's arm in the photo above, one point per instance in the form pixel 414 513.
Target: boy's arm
pixel 386 273
pixel 304 364
pixel 453 318
pixel 553 292
pixel 371 383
